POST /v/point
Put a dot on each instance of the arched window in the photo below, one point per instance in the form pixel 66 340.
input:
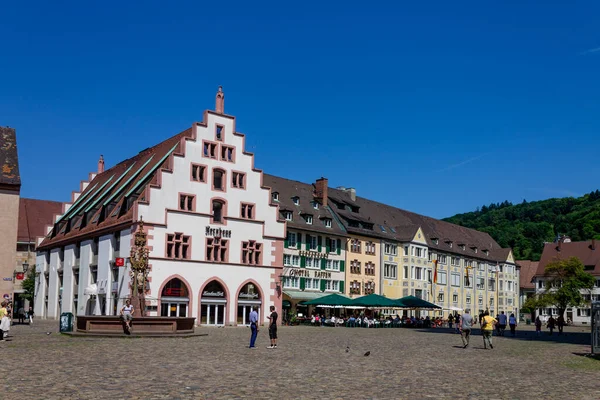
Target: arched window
pixel 218 209
pixel 219 179
pixel 174 299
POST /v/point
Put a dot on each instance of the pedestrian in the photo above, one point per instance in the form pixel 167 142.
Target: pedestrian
pixel 450 320
pixel 21 314
pixel 560 323
pixel 457 320
pixel 512 322
pixel 4 320
pixel 502 323
pixel 551 324
pixel 538 326
pixel 253 327
pixel 30 315
pixel 127 314
pixel 273 328
pixel 497 325
pixel 466 323
pixel 487 327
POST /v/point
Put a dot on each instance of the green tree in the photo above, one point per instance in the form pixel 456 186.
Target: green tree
pixel 28 285
pixel 564 279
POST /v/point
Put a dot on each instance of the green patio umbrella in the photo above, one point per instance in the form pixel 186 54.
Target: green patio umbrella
pixel 375 300
pixel 332 300
pixel 413 302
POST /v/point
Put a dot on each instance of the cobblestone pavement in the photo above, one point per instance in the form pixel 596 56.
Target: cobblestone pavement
pixel 310 363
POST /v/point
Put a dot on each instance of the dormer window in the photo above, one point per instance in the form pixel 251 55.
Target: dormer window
pixel 354 209
pixel 435 240
pixel 449 243
pixel 327 222
pixel 315 205
pixel 275 196
pixel 474 248
pixel 309 219
pixel 296 200
pixel 288 215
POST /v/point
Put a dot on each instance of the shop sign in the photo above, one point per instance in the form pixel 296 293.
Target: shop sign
pixel 213 294
pixel 313 254
pixel 218 232
pixel 7 279
pixel 20 276
pixel 248 295
pixel 300 273
pixel 322 274
pixel 6 296
pixel 120 262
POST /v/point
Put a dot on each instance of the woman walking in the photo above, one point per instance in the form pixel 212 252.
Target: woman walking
pixel 512 322
pixel 538 326
pixel 4 320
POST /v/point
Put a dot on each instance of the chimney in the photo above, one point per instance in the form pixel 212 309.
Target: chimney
pixel 101 164
pixel 220 101
pixel 321 190
pixel 352 193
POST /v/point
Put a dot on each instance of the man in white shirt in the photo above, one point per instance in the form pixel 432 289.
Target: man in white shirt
pixel 253 327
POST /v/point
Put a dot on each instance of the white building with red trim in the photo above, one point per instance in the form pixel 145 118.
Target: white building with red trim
pixel 215 239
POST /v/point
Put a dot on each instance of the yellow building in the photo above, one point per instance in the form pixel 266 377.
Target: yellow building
pixel 362 266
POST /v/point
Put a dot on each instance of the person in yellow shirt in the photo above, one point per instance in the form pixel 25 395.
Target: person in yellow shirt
pixel 487 328
pixel 3 314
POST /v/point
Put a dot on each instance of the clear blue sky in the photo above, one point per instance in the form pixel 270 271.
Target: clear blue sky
pixel 435 107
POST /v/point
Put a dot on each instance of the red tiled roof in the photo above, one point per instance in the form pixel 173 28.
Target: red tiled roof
pixel 527 272
pixel 34 217
pixel 587 251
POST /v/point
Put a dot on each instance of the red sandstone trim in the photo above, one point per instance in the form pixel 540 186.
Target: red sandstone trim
pixel 261 317
pixel 189 290
pixel 227 298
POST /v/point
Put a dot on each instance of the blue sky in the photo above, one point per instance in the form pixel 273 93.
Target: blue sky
pixel 436 108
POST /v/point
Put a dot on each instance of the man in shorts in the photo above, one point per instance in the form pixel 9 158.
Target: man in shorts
pixel 465 325
pixel 273 328
pixel 127 314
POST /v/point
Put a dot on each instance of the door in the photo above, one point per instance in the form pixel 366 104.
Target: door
pixel 212 314
pixel 173 309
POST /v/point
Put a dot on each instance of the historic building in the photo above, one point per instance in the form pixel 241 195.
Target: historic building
pixel 215 240
pixel 10 188
pixel 527 270
pixel 589 254
pixel 35 217
pixel 314 253
pixel 223 237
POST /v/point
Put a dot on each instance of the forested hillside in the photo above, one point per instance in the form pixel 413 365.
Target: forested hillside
pixel 525 227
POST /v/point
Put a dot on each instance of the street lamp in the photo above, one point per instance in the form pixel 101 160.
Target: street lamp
pixel 25 267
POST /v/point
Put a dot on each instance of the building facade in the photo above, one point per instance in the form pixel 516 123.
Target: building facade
pixel 563 249
pixel 215 240
pixel 314 254
pixel 224 237
pixel 10 188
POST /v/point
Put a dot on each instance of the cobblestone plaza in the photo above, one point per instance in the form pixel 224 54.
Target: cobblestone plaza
pixel 310 363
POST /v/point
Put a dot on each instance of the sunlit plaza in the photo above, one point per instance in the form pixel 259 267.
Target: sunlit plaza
pixel 309 363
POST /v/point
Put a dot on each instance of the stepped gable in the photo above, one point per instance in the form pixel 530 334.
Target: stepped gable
pixel 288 189
pixel 35 216
pixel 587 251
pixel 9 159
pixel 107 201
pixel 528 270
pixel 406 223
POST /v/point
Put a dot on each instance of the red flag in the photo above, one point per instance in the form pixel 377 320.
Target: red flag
pixel 468 282
pixel 434 276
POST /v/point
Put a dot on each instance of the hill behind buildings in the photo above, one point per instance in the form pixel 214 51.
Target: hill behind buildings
pixel 525 227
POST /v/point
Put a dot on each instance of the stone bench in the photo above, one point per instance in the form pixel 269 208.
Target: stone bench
pixel 108 324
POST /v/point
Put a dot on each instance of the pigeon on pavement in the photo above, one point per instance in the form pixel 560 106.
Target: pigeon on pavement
pixel 367 354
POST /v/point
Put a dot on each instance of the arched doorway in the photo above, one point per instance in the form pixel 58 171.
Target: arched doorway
pixel 213 303
pixel 248 297
pixel 174 299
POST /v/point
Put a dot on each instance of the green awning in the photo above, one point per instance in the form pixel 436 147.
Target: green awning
pixel 286 304
pixel 376 300
pixel 331 300
pixel 303 295
pixel 415 302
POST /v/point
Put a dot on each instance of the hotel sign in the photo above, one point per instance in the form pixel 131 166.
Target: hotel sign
pixel 218 232
pixel 305 273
